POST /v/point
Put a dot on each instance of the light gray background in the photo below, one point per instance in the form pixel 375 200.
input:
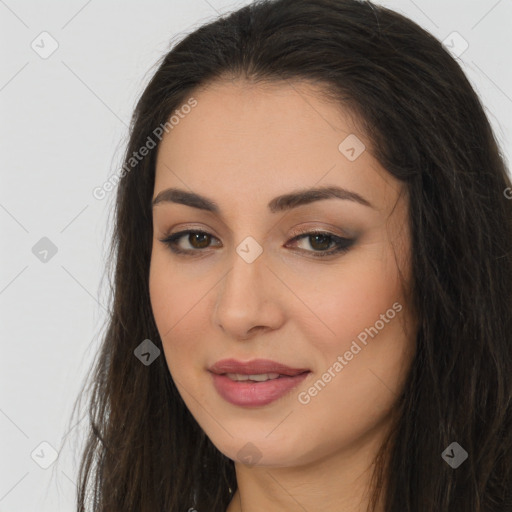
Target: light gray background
pixel 64 123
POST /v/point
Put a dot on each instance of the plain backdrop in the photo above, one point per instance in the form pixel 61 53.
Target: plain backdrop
pixel 64 120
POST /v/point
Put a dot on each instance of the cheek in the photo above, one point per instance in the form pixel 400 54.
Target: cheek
pixel 177 301
pixel 359 309
pixel 366 311
pixel 346 298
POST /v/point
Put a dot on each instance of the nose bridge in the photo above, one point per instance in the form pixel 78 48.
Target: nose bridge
pixel 244 299
pixel 240 285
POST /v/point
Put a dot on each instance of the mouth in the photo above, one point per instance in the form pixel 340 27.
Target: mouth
pixel 259 377
pixel 256 367
pixel 255 383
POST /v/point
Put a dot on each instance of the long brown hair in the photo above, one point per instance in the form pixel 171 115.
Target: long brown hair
pixel 144 451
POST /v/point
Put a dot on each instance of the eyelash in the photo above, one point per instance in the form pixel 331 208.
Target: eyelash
pixel 342 244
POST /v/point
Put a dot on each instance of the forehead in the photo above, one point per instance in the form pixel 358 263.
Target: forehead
pixel 262 140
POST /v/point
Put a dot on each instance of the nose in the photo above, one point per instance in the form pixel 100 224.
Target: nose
pixel 248 299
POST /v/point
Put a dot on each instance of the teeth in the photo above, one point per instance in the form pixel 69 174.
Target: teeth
pixel 259 378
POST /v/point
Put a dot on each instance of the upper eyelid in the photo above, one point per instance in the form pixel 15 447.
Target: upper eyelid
pixel 309 231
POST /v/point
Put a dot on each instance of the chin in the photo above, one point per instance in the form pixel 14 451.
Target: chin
pixel 261 450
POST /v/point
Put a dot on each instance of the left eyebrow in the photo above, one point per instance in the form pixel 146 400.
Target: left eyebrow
pixel 278 204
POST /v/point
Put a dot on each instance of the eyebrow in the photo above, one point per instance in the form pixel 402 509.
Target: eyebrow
pixel 278 204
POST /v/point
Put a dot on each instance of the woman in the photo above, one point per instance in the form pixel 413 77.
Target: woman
pixel 313 277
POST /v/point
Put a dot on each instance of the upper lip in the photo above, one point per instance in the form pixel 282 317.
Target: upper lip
pixel 254 367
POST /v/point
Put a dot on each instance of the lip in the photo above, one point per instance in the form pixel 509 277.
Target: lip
pixel 250 393
pixel 254 367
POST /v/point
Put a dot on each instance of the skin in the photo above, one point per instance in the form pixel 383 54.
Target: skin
pixel 241 146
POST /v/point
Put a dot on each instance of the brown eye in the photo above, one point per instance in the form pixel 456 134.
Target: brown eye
pixel 201 239
pixel 323 244
pixel 195 241
pixel 320 242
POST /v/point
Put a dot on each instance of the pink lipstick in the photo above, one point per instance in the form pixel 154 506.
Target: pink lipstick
pixel 254 383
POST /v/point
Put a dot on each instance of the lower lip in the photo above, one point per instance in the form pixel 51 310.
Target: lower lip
pixel 251 394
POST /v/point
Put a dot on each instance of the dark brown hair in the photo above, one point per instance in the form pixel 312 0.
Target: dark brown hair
pixel 145 452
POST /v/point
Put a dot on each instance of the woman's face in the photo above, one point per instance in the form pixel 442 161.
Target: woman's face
pixel 252 284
